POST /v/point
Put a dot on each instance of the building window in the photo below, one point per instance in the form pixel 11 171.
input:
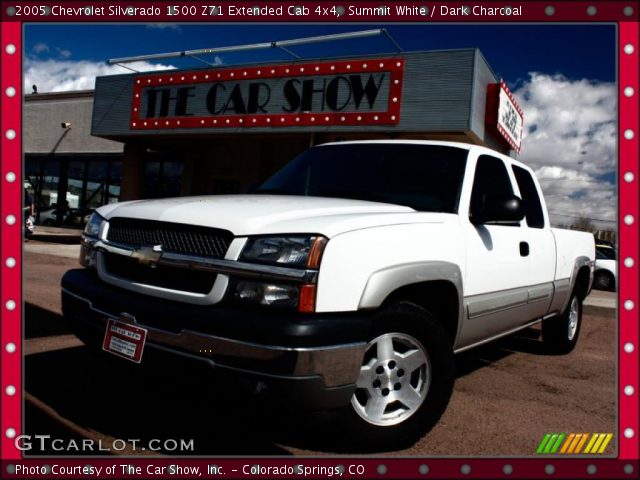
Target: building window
pixel 102 184
pixel 79 184
pixel 162 178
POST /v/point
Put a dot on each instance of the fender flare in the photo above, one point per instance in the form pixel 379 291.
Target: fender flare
pixel 383 282
pixel 580 262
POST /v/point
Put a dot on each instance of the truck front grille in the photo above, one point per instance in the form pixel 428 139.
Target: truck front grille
pixel 174 237
pixel 163 276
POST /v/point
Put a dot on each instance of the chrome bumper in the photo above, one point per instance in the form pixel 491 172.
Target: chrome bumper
pixel 337 365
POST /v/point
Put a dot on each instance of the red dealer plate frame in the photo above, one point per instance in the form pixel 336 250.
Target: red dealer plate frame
pixel 120 338
pixel 392 65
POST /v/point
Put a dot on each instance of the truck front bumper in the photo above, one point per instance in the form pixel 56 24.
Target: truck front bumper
pixel 315 358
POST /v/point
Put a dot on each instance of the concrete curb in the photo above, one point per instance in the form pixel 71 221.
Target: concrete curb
pixel 56 235
pixel 58 230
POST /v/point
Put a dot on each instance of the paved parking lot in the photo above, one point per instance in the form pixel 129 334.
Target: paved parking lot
pixel 508 395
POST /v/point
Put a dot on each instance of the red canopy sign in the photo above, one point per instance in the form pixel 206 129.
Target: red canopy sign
pixel 362 92
pixel 504 114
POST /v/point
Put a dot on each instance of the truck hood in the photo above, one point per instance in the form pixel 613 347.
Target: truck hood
pixel 270 214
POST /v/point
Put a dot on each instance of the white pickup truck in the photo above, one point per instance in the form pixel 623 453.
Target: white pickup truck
pixel 349 279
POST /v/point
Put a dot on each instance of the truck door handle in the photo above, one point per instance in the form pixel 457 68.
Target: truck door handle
pixel 524 249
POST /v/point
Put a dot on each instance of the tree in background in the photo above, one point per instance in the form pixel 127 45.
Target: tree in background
pixel 584 224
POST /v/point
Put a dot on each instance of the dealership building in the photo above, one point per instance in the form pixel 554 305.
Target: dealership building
pixel 226 129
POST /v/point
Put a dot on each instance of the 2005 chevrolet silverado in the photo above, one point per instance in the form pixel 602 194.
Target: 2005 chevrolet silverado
pixel 349 279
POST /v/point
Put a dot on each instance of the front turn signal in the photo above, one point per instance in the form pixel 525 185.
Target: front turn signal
pixel 307 298
pixel 315 255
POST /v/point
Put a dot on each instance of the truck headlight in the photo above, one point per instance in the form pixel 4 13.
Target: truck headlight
pixel 259 293
pixel 291 251
pixel 88 255
pixel 94 225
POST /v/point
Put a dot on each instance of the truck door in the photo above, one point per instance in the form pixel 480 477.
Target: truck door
pixel 542 246
pixel 497 264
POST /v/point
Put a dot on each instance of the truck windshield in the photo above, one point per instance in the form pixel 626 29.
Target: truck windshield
pixel 423 177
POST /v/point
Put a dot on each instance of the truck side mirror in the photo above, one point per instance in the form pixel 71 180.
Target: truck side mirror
pixel 499 209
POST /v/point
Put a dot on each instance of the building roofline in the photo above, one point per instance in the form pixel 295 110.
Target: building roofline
pixel 32 97
pixel 392 54
pixel 484 59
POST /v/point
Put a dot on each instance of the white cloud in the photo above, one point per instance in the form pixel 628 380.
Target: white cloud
pixel 63 52
pixel 570 141
pixel 40 48
pixel 66 75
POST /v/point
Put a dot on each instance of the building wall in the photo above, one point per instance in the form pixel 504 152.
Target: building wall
pixel 483 76
pixel 67 168
pixel 217 166
pixel 43 134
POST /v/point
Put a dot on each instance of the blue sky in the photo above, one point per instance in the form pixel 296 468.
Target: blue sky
pixel 582 51
pixel 562 75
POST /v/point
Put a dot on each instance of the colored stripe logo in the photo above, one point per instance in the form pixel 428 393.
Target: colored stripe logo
pixel 574 443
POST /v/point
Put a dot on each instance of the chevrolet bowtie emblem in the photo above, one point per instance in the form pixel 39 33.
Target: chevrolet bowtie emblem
pixel 148 255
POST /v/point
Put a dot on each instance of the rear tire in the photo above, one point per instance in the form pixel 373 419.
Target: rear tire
pixel 405 382
pixel 560 334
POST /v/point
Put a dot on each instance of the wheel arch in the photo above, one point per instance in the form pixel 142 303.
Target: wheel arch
pixel 583 282
pixel 435 286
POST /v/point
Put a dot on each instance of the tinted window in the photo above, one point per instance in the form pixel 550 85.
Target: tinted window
pixel 162 178
pixel 491 178
pixel 530 198
pixel 423 177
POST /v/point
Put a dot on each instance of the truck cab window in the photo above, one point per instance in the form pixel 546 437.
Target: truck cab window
pixel 530 198
pixel 491 177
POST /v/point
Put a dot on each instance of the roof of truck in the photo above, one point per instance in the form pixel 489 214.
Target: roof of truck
pixel 466 146
pixel 462 145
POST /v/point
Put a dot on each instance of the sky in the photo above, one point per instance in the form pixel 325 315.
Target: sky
pixel 563 77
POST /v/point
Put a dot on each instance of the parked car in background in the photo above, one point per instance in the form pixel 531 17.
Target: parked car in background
pixel 48 216
pixel 76 217
pixel 605 276
pixel 604 243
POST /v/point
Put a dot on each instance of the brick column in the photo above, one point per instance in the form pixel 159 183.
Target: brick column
pixel 132 172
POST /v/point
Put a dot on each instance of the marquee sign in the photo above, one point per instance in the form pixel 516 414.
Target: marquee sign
pixel 356 92
pixel 504 114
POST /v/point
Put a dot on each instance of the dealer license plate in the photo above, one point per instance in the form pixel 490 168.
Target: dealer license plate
pixel 124 340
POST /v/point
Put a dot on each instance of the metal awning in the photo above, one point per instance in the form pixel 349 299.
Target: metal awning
pixel 281 44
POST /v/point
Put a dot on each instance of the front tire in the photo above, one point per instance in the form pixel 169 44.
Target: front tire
pixel 405 381
pixel 560 334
